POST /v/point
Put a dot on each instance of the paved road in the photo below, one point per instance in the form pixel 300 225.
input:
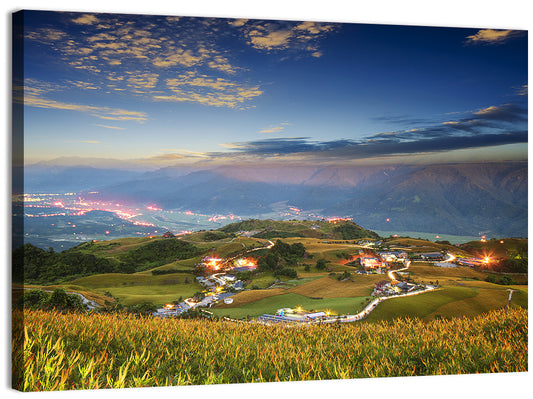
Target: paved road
pixel 391 272
pixel 372 305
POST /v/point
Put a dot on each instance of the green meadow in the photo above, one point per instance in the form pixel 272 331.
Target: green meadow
pixel 291 300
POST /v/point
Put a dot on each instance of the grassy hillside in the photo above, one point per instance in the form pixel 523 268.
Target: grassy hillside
pixel 337 305
pixel 499 247
pixel 69 351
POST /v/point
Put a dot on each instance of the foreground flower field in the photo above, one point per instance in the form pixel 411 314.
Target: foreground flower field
pixel 54 351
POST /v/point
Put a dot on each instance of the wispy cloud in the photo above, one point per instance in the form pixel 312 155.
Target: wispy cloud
pixel 522 90
pixel 493 36
pixel 34 96
pixel 490 126
pixel 273 129
pixel 503 113
pixel 110 127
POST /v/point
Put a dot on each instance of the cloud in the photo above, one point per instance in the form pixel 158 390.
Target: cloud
pixel 492 36
pixel 283 35
pixel 139 55
pixel 144 81
pixel 84 85
pixel 270 40
pixel 33 97
pixel 47 36
pixel 178 155
pixel 87 19
pixel 370 148
pixel 273 129
pixel 490 126
pixel 275 146
pixel 91 141
pixel 146 56
pixel 495 117
pixel 522 90
pixel 110 127
pixel 505 113
pixel 237 22
pixel 219 92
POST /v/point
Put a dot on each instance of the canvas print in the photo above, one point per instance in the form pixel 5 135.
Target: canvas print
pixel 219 200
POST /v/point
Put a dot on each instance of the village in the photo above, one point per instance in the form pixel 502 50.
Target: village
pixel 220 283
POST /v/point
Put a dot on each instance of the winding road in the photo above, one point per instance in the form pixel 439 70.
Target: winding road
pixel 372 305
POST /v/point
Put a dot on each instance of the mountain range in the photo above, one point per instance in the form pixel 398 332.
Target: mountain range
pixel 461 199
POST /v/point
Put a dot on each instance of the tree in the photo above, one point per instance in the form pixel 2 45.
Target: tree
pixel 287 271
pixel 269 261
pixel 35 298
pixel 58 299
pixel 321 264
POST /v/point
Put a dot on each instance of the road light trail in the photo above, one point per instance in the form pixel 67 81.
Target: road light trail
pixel 450 258
pixel 391 272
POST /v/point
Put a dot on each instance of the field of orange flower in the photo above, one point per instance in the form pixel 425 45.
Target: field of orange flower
pixel 55 351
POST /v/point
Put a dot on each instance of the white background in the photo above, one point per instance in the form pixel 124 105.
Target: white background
pixel 514 14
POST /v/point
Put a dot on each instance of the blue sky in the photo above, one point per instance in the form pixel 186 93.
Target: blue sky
pixel 167 90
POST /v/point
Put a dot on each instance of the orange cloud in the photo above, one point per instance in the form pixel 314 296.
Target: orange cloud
pixel 492 36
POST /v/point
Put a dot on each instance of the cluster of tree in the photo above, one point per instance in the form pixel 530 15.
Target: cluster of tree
pixel 344 275
pixel 215 235
pixel 159 272
pixel 321 264
pixel 513 265
pixel 504 280
pixel 195 313
pixel 246 225
pixel 36 265
pixel 343 255
pixel 286 271
pixel 159 252
pixel 59 299
pixel 269 234
pixel 280 257
pixel 351 231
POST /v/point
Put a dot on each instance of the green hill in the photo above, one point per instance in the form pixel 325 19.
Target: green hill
pixel 344 230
